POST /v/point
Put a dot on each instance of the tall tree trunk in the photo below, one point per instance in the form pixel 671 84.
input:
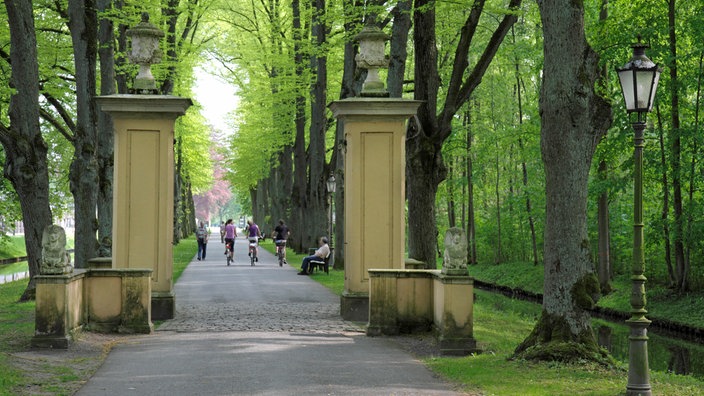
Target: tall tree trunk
pixel 105 130
pixel 298 190
pixel 471 227
pixel 524 168
pixel 83 24
pixel 604 268
pixel 498 258
pixel 424 165
pixel 675 157
pixel 316 208
pixel 665 199
pixel 573 119
pixel 693 163
pixel 25 150
pixel 178 195
pixel 121 59
pixel 398 48
pixel 451 217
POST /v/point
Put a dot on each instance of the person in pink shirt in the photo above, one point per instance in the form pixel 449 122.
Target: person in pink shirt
pixel 230 235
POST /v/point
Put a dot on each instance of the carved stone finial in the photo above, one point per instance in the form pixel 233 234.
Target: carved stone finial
pixel 455 258
pixel 55 259
pixel 371 56
pixel 145 52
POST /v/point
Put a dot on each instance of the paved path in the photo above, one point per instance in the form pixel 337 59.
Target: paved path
pixel 261 330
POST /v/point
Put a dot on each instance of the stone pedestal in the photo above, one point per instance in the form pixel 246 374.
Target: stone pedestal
pixel 454 308
pixel 60 309
pixel 143 185
pixel 375 172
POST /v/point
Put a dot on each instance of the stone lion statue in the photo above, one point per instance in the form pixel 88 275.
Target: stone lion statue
pixel 455 258
pixel 55 259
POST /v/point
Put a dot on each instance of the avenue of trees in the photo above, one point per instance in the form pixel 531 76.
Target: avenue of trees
pixel 522 139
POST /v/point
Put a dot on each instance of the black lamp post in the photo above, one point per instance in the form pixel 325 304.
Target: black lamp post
pixel 639 80
pixel 331 190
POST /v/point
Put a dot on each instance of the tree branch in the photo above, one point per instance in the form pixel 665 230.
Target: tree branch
pixel 65 115
pixel 475 77
pixel 48 117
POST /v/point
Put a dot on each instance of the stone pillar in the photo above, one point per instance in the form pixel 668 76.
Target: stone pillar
pixel 454 310
pixel 375 172
pixel 143 185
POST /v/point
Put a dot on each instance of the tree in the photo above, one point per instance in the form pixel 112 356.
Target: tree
pixel 25 149
pixel 573 117
pixel 83 24
pixel 425 168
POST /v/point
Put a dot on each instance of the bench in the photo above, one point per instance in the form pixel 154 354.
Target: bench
pixel 319 264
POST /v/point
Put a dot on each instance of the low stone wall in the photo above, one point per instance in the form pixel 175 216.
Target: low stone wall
pixel 409 301
pixel 103 300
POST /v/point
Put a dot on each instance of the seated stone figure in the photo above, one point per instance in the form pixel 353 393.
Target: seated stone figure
pixel 55 259
pixel 455 257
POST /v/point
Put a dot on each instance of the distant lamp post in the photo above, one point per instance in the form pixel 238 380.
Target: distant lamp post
pixel 639 80
pixel 372 42
pixel 145 52
pixel 331 190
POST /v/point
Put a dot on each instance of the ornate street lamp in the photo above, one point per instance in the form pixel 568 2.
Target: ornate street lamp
pixel 331 190
pixel 639 80
pixel 145 52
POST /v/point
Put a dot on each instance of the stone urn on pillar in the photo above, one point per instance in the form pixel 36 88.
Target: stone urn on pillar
pixel 143 183
pixel 374 183
pixel 145 52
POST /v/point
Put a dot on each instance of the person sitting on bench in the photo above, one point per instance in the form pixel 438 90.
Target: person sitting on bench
pixel 320 254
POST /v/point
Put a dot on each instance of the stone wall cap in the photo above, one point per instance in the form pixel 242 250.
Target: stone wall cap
pixel 124 104
pixel 403 273
pixel 382 107
pixel 456 279
pixel 63 278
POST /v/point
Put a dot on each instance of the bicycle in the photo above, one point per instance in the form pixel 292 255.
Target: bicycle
pixel 253 252
pixel 281 251
pixel 228 254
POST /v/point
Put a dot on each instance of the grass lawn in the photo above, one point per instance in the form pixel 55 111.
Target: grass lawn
pixel 16 331
pixel 12 246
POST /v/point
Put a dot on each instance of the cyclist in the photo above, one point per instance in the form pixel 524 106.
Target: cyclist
pixel 253 235
pixel 230 235
pixel 281 233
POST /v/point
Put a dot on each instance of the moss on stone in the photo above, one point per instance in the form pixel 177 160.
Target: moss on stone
pixel 585 292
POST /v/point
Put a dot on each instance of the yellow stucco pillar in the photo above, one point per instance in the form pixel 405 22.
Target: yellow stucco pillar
pixel 375 172
pixel 143 188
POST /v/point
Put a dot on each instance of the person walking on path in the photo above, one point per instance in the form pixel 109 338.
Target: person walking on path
pixel 202 236
pixel 230 235
pixel 320 254
pixel 222 232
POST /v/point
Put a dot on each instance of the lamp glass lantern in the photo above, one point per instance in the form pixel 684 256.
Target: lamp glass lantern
pixel 639 80
pixel 331 184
